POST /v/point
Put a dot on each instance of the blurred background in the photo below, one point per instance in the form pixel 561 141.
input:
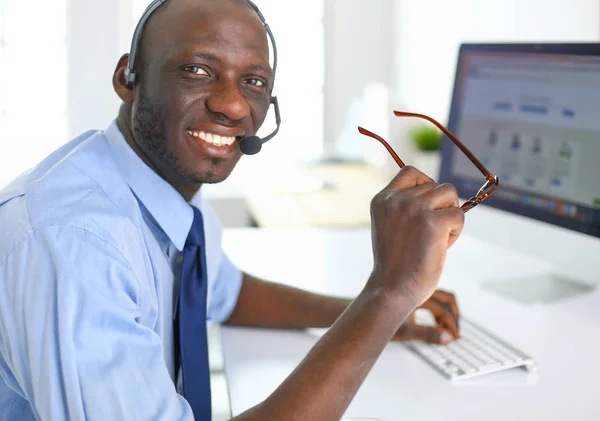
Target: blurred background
pixel 343 63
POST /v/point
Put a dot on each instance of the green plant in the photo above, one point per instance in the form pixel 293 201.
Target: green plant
pixel 426 138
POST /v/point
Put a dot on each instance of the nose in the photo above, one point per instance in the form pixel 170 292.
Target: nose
pixel 228 100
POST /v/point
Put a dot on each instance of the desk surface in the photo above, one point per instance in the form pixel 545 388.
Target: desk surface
pixel 564 337
pixel 334 195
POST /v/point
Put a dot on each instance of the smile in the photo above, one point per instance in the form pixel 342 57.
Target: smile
pixel 212 138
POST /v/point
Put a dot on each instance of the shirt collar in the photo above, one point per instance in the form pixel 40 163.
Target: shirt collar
pixel 170 210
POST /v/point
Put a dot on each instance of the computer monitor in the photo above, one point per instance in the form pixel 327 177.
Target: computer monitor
pixel 531 114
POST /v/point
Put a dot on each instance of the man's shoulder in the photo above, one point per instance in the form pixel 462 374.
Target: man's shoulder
pixel 79 185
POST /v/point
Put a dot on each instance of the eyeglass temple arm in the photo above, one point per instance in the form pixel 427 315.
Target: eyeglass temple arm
pixel 484 192
pixel 384 143
pixel 458 143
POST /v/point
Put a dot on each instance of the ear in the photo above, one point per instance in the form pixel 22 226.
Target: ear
pixel 125 92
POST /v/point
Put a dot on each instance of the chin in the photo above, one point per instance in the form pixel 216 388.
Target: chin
pixel 211 180
pixel 212 174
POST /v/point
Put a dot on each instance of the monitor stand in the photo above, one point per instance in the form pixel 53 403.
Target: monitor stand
pixel 539 288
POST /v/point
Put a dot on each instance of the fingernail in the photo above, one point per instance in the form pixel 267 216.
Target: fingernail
pixel 446 337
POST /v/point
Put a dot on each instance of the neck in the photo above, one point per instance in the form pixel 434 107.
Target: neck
pixel 186 189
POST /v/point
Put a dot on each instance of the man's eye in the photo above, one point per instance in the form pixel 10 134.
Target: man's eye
pixel 255 82
pixel 197 70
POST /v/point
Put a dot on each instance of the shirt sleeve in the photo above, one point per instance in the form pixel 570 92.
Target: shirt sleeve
pixel 226 291
pixel 74 342
pixel 224 278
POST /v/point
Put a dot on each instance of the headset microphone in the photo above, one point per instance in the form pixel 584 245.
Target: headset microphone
pixel 249 145
pixel 252 145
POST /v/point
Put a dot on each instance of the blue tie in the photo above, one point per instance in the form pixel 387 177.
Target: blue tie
pixel 191 348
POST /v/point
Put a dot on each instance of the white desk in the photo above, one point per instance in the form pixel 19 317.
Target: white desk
pixel 564 337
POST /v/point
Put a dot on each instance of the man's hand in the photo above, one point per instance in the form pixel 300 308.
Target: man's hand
pixel 414 221
pixel 445 311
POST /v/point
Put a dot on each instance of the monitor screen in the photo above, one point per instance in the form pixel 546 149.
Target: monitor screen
pixel 531 114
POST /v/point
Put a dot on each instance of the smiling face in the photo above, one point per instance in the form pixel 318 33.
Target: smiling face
pixel 203 84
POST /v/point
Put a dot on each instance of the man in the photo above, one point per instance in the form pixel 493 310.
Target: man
pixel 95 240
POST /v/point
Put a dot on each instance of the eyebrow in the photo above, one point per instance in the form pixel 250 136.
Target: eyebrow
pixel 212 57
pixel 204 55
pixel 261 68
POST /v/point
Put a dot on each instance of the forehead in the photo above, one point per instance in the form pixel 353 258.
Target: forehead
pixel 221 27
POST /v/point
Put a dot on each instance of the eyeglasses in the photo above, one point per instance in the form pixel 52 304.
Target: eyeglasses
pixel 491 180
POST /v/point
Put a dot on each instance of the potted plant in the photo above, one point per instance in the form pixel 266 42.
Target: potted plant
pixel 427 141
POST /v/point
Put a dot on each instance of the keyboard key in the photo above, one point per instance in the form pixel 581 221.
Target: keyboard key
pixel 476 353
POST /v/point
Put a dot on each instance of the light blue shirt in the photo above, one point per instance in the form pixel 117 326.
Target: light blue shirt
pixel 89 247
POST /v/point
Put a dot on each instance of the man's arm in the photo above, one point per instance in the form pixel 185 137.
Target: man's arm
pixel 414 223
pixel 322 386
pixel 271 305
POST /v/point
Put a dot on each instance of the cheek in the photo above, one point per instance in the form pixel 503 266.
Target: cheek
pixel 178 100
pixel 260 110
pixel 181 108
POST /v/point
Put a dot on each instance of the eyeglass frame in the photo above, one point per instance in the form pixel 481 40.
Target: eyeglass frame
pixel 491 180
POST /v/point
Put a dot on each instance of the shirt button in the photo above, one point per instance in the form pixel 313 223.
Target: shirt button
pixel 179 259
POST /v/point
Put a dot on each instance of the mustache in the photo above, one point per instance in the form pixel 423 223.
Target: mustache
pixel 223 120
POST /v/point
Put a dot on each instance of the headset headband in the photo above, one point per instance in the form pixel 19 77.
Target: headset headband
pixel 130 73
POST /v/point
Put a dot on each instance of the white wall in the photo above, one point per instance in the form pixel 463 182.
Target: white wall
pixel 32 83
pixel 98 33
pixel 359 39
pixel 402 53
pixel 428 34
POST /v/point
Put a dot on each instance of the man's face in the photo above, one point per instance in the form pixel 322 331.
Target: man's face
pixel 204 85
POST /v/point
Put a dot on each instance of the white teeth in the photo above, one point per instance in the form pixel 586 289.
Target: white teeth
pixel 212 138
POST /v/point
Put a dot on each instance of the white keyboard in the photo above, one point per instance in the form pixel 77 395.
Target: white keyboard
pixel 477 352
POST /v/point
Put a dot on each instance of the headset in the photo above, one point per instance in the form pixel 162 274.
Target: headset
pixel 249 145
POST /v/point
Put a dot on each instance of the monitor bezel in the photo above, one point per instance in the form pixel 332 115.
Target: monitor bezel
pixel 448 148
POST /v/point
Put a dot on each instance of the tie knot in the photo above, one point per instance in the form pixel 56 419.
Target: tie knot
pixel 195 237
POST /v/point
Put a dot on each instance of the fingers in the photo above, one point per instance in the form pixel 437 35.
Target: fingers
pixel 409 177
pixel 454 220
pixel 423 188
pixel 444 312
pixel 444 308
pixel 449 299
pixel 442 196
pixel 435 335
pixel 432 195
